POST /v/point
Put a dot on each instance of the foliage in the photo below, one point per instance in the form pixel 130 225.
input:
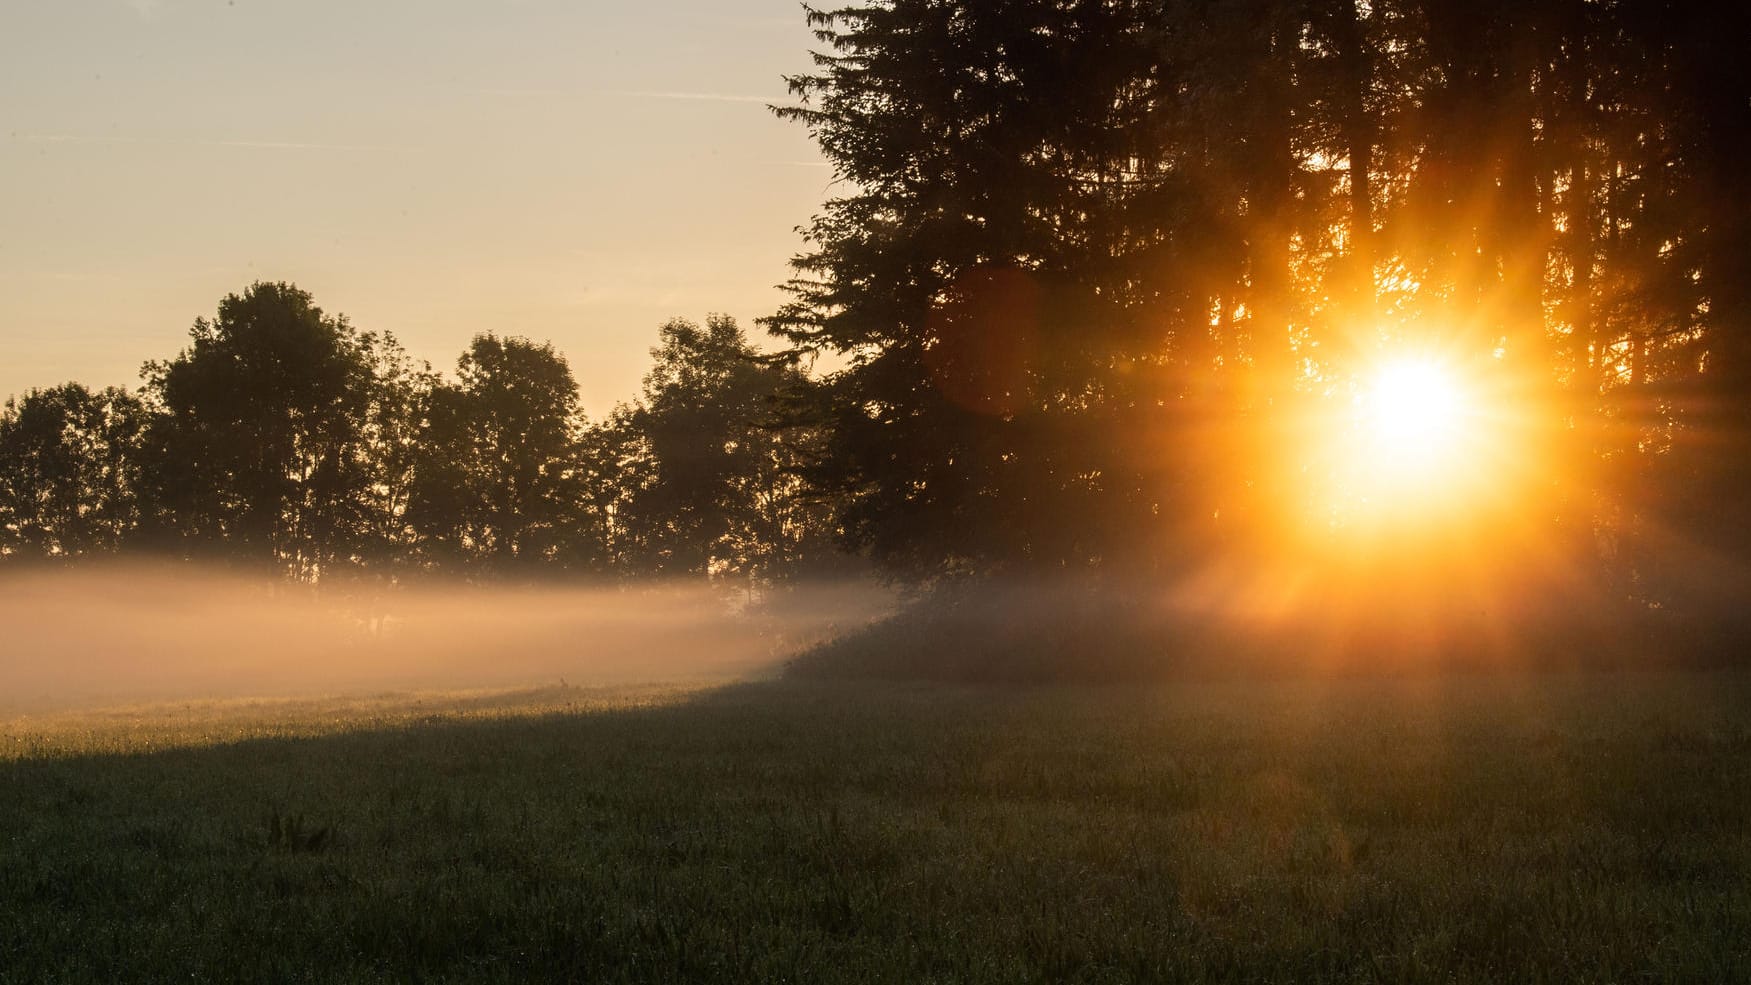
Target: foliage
pixel 69 472
pixel 284 437
pixel 1092 274
pixel 1094 261
pixel 260 446
pixel 969 278
pixel 716 486
pixel 496 482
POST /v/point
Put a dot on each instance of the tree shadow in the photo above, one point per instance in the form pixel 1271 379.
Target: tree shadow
pixel 854 832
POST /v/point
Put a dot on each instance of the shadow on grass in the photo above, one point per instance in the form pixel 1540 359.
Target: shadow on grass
pixel 1083 631
pixel 1573 827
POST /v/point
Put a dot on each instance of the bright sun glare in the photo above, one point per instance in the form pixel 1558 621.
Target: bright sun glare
pixel 1421 444
pixel 1414 417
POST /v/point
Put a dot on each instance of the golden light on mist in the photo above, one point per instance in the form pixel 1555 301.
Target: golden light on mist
pixel 1414 516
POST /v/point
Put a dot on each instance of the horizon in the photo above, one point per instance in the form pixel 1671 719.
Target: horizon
pixel 573 175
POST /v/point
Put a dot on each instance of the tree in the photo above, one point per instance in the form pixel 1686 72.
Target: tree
pixel 401 400
pixel 707 470
pixel 1083 322
pixel 1684 213
pixel 260 448
pixel 498 483
pixel 69 472
pixel 987 277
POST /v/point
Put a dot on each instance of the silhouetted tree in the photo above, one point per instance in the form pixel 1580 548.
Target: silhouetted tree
pixel 261 445
pixel 708 471
pixel 401 399
pixel 1677 212
pixel 69 472
pixel 1096 259
pixel 621 474
pixel 498 484
pixel 981 279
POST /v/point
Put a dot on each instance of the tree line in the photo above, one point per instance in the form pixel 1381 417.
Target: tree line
pixel 1090 269
pixel 284 437
pixel 1095 265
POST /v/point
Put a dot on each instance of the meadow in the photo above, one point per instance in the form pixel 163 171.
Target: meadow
pixel 1552 827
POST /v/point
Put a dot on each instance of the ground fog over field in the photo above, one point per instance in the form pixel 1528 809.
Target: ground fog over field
pixel 152 634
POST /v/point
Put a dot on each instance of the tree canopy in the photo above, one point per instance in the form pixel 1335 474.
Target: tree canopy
pixel 69 472
pixel 1099 268
pixel 1104 286
pixel 261 437
pixel 495 482
pixel 283 437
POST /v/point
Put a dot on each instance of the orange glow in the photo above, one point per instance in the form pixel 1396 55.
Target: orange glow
pixel 1416 417
pixel 1416 444
pixel 1415 514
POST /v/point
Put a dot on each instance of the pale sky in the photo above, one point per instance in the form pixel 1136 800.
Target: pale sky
pixel 573 170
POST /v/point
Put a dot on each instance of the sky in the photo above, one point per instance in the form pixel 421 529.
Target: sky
pixel 577 171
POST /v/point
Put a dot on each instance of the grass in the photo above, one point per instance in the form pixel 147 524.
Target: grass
pixel 1439 829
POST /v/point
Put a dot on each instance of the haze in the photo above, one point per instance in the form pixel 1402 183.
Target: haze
pixel 578 172
pixel 143 633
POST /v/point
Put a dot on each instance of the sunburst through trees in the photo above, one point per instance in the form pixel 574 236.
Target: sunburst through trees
pixel 1220 222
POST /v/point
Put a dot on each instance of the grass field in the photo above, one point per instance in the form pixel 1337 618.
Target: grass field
pixel 1445 829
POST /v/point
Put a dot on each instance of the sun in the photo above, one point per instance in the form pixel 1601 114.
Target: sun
pixel 1415 417
pixel 1413 444
pixel 1411 449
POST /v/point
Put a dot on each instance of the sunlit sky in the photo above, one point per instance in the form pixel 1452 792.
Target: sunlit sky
pixel 574 170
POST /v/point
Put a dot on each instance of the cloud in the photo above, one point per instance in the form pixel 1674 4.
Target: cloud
pixel 704 97
pixel 510 91
pixel 698 97
pixel 773 23
pixel 68 138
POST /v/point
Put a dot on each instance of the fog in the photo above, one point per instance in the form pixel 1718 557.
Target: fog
pixel 150 634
